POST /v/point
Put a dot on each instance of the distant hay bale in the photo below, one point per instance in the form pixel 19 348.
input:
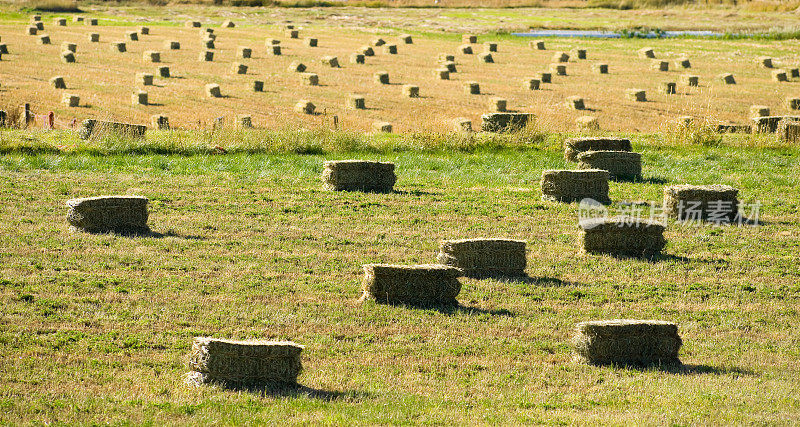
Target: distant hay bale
pixel 358 175
pixel 367 51
pixel 108 214
pixel 144 31
pixel 689 80
pixel 627 342
pixel 258 86
pixel 575 103
pixel 213 90
pixel 288 27
pixel 600 68
pixel 92 22
pixel 441 74
pixel 443 57
pixel 67 57
pixel 357 58
pixel 172 45
pixel 378 42
pixel 727 78
pixel 637 95
pixel 132 36
pixel 244 52
pixel 469 38
pixel 451 66
pixel 330 61
pixel 717 203
pixel 560 57
pixel 356 102
pixel 683 63
pixel 791 133
pixel 40 26
pixel 575 146
pixel 462 125
pixel 209 44
pixel 159 121
pixel 537 44
pixel 622 236
pixel 60 22
pixel 732 128
pixel 58 82
pixel 139 98
pixel 244 121
pixel 792 103
pixel 659 65
pixel 771 124
pixel 36 18
pixel 575 185
pixel 578 53
pixel 498 104
pixel 118 47
pixel 406 38
pixel 206 56
pixel 794 72
pixel 486 57
pixel 144 79
pixel 71 47
pixel 545 77
pixel 390 49
pixel 310 41
pixel 765 62
pixel 3 49
pixel 484 257
pixel 667 88
pixel 531 83
pixel 490 46
pixel 309 79
pixel 646 53
pixel 305 107
pixel 383 127
pixel 193 24
pixel 558 69
pixel 94 37
pixel 472 88
pixel 274 50
pixel 297 67
pixel 163 71
pixel 432 284
pixel 505 122
pixel 759 111
pixel 411 91
pixel 31 30
pixel 621 165
pixel 292 34
pixel 465 49
pixel 228 24
pixel 151 56
pixel 77 19
pixel 272 42
pixel 587 123
pixel 44 39
pixel 779 76
pixel 381 77
pixel 244 363
pixel 237 68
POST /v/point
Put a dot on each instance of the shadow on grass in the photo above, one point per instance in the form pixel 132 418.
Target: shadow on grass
pixel 451 309
pixel 296 391
pixel 692 369
pixel 144 233
pixel 538 281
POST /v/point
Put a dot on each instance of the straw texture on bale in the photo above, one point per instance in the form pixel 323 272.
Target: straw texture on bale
pixel 406 38
pixel 206 56
pixel 367 51
pixel 356 102
pixel 159 122
pixel 411 91
pixel 472 88
pixel 390 49
pixel 587 123
pixel 71 47
pixel 244 363
pixel 660 65
pixel 310 79
pixel 729 128
pixel 759 111
pixel 144 30
pixel 637 95
pixel 91 22
pixel 297 67
pixel 67 57
pixel 431 284
pixel 469 38
pixel 44 39
pixel 209 43
pixel 132 36
pixel 271 42
pixel 573 186
pixel 484 257
pixel 293 34
pixel 462 124
pixel 558 69
pixel 152 56
pixel 94 127
pixel 381 77
pixel 490 46
pixel 330 61
pixel 213 90
pixel 311 41
pixel 163 71
pixel 58 82
pixel 779 76
pixel 622 165
pixel 716 203
pixel 545 77
pixel 689 80
pixel 765 62
pixel 108 213
pixel 244 52
pixel 792 103
pixel 451 66
pixel 560 57
pixel 727 78
pixel 305 107
pixel 578 53
pixel 31 30
pixel 139 98
pixel 441 74
pixel 274 50
pixel 465 49
pixel 646 52
pixel 358 175
pixel 575 146
pixel 531 84
pixel 70 100
pixel 238 68
pixel 791 133
pixel 505 122
pixel 258 86
pixel 228 24
pixel 667 88
pixel 600 68
pixel 622 236
pixel 627 342
pixel 486 57
pixel 498 104
pixel 377 42
pixel 575 103
pixel 770 124
pixel 537 44
pixel 446 58
pixel 683 63
pixel 357 58
pixel 384 127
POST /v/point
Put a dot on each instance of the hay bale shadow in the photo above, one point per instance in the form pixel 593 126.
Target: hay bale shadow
pixel 452 309
pixel 284 390
pixel 145 233
pixel 689 369
pixel 544 281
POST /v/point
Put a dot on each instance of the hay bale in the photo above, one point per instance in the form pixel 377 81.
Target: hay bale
pixel 288 27
pixel 92 22
pixel 274 50
pixel 390 49
pixel 411 284
pixel 44 39
pixel 575 185
pixel 144 31
pixel 531 83
pixel 759 111
pixel 469 38
pixel 67 57
pixel 646 53
pixel 575 146
pixel 356 102
pixel 31 30
pixel 406 38
pixel 228 24
pixel 587 123
pixel 383 127
pixel 163 71
pixel 558 69
pixel 443 57
pixel 310 41
pixel 462 125
pixel 441 74
pixel 668 88
pixel 575 103
pixel 367 51
pixel 683 63
pixel 465 49
pixel 794 72
pixel 357 58
pixel 159 122
pixel 625 236
pixel 545 77
pixel 498 104
pixel 151 56
pixel 139 98
pixel 272 42
pixel 244 363
pixel 132 36
pixel 451 66
pixel 505 122
pixel 297 67
pixel 621 165
pixel 730 128
pixel 715 203
pixel 358 175
pixel 209 44
pixel 600 68
pixel 118 47
pixel 213 91
pixel 108 214
pixel 94 38
pixel 58 82
pixel 659 65
pixel 40 26
pixel 791 133
pixel 309 79
pixel 237 68
pixel 779 76
pixel 77 19
pixel 537 44
pixel 765 62
pixel 792 103
pixel 71 47
pixel 92 127
pixel 689 80
pixel 305 107
pixel 381 77
pixel 206 56
pixel 486 57
pixel 770 124
pixel 378 42
pixel 258 86
pixel 144 79
pixel 244 121
pixel 578 53
pixel 411 91
pixel 627 342
pixel 292 34
pixel 637 95
pixel 472 88
pixel 560 57
pixel 36 18
pixel 193 24
pixel 727 78
pixel 244 52
pixel 484 257
pixel 330 61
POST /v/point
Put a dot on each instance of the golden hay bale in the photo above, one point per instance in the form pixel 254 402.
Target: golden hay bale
pixel 356 102
pixel 358 175
pixel 31 30
pixel 469 38
pixel 132 36
pixel 297 67
pixel 70 100
pixel 71 47
pixel 575 146
pixel 531 83
pixel 443 57
pixel 77 19
pixel 381 77
pixel 578 53
pixel 792 103
pixel 622 236
pixel 330 61
pixel 441 74
pixel 94 37
pixel 228 24
pixel 558 69
pixel 159 122
pixel 794 72
pixel 108 213
pixel 560 57
pixel 163 71
pixel 192 24
pixel 274 50
pixel 791 133
pixel 505 122
pixel 465 49
pixel 537 44
pixel 498 104
pixel 244 121
pixel 213 90
pixel 272 42
pixel 765 62
pixel 430 284
pixel 689 80
pixel 244 52
pixel 575 103
pixel 486 57
pixel 367 51
pixel 309 79
pixel 378 42
pixel 244 363
pixel 683 63
pixel 36 18
pixel 258 86
pixel 97 128
pixel 490 46
pixel 406 38
pixel 587 123
pixel 667 88
pixel 151 56
pixel 727 78
pixel 600 68
pixel 3 49
pixel 305 107
pixel 627 342
pixel 292 34
pixel 646 52
pixel 139 98
pixel 237 68
pixel 67 57
pixel 58 82
pixel 390 49
pixel 144 79
pixel 660 65
pixel 357 58
pixel 384 127
pixel 545 77
pixel 411 91
pixel 462 125
pixel 40 26
pixel 451 66
pixel 209 44
pixel 716 203
pixel 779 76
pixel 144 31
pixel 172 44
pixel 206 56
pixel 621 165
pixel 771 124
pixel 759 111
pixel 311 42
pixel 44 39
pixel 91 22
pixel 637 95
pixel 575 185
pixel 484 257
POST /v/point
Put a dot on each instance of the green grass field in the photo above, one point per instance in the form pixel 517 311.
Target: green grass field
pixel 95 329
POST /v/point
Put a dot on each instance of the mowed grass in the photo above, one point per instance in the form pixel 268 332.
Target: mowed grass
pixel 105 80
pixel 96 328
